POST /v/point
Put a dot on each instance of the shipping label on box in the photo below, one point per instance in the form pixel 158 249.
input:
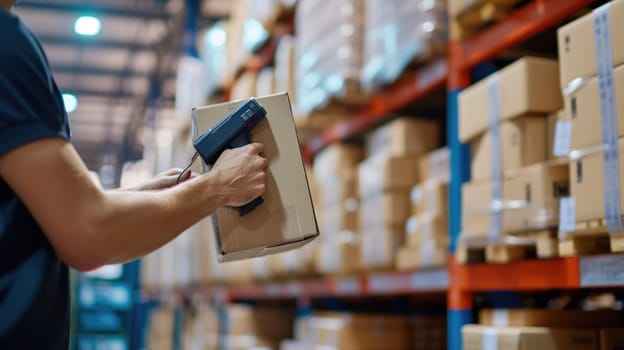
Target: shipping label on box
pixel 528 86
pixel 577 43
pixel 286 219
pixel 522 143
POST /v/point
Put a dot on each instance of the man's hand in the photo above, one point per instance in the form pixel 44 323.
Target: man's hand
pixel 242 171
pixel 164 180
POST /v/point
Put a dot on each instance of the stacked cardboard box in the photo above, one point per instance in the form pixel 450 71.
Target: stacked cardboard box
pixel 525 329
pixel 386 177
pixel 335 172
pixel 329 51
pixel 588 97
pixel 240 327
pixel 426 231
pixel 346 331
pixel 392 41
pixel 504 119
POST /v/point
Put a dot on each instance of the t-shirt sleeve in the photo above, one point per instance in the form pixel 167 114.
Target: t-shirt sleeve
pixel 30 109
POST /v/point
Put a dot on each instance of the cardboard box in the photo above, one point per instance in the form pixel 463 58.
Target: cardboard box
pixel 527 86
pixel 435 166
pixel 385 174
pixel 527 338
pixel 531 199
pixel 549 318
pixel 358 331
pixel 577 50
pixel 587 185
pixel 286 219
pixel 342 193
pixel 337 161
pixel 538 189
pixel 404 137
pixel 379 247
pixel 389 209
pixel 425 228
pixel 583 107
pixel 339 219
pixel 522 143
pixel 430 197
pixel 612 339
pixel 338 254
pixel 426 255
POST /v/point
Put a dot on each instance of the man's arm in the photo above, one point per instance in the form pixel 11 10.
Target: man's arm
pixel 89 227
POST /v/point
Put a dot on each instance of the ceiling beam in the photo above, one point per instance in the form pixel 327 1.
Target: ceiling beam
pixel 76 40
pixel 82 70
pixel 118 11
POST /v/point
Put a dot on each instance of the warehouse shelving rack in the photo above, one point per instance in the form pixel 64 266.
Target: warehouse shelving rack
pixel 458 282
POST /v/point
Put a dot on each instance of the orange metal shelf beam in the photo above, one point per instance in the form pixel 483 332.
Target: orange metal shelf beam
pixel 522 24
pixel 529 275
pixel 405 92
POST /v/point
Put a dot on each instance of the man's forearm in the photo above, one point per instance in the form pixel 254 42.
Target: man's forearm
pixel 128 224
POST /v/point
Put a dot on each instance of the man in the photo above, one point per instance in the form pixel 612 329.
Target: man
pixel 52 214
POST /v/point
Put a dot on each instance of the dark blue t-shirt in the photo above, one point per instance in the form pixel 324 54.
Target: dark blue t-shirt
pixel 34 283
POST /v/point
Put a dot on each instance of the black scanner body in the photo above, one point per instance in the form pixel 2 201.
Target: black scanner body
pixel 233 131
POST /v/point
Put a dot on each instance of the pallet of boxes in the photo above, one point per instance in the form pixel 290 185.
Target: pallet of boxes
pixel 426 231
pixel 592 79
pixel 529 329
pixel 386 177
pixel 510 207
pixel 335 174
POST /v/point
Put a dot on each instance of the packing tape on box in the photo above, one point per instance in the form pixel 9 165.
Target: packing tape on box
pixel 494 99
pixel 608 112
pixel 489 341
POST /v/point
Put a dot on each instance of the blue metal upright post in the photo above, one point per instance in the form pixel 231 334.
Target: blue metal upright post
pixel 459 302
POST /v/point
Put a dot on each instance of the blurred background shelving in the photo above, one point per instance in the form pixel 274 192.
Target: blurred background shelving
pixel 394 103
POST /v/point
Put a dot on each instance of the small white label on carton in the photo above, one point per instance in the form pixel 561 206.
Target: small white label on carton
pixel 500 318
pixel 563 138
pixel 567 215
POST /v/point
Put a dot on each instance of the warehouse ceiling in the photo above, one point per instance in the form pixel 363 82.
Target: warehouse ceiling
pixel 113 73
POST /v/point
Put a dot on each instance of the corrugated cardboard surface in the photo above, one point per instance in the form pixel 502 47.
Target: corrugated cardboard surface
pixel 583 107
pixel 527 338
pixel 549 318
pixel 522 143
pixel 577 50
pixel 587 185
pixel 527 86
pixel 404 137
pixel 286 220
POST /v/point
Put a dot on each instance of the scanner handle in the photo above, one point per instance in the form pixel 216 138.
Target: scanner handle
pixel 243 140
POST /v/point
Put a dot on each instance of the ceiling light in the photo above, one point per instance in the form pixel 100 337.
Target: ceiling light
pixel 71 102
pixel 87 25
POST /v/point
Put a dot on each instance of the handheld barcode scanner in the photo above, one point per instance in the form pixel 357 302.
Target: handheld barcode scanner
pixel 233 131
